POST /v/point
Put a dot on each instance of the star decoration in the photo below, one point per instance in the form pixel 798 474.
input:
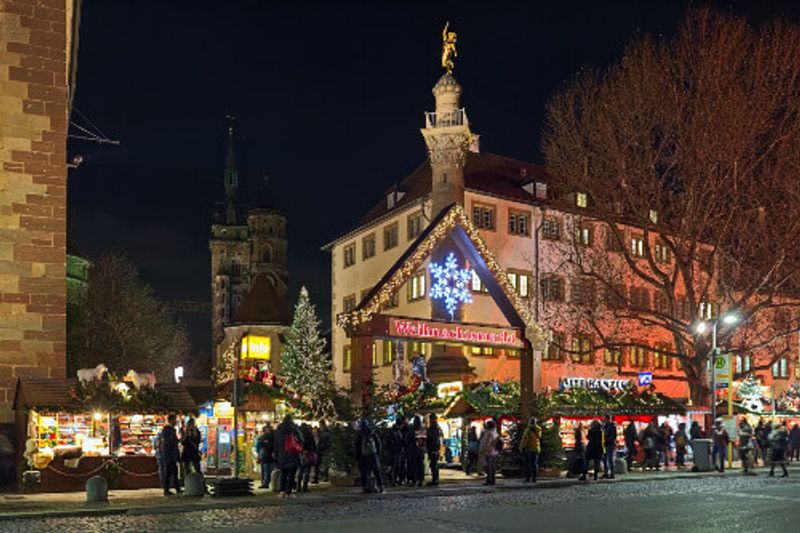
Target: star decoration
pixel 451 284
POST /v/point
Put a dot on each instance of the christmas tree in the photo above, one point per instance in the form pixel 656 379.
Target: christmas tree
pixel 304 363
pixel 750 395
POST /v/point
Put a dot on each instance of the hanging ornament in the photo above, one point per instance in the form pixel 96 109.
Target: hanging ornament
pixel 451 284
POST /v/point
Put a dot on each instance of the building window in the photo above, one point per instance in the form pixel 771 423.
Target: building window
pixel 350 255
pixel 347 358
pixel 637 246
pixel 743 364
pixel 640 297
pixel 581 200
pixel 553 352
pixel 483 216
pixel 653 216
pixel 477 284
pixel 416 286
pixel 552 288
pixel 583 291
pixel 682 308
pixel 612 356
pixel 482 350
pixel 519 223
pixel 582 349
pixel 390 236
pixel 709 310
pixel 417 348
pixel 414 225
pixel 613 242
pixel 374 354
pixel 661 359
pixel 638 357
pixel 368 246
pixel 780 368
pixel 236 268
pixel 388 353
pixel 615 296
pixel 349 303
pixel 521 283
pixel 394 301
pixel 551 229
pixel 663 252
pixel 660 302
pixel 583 235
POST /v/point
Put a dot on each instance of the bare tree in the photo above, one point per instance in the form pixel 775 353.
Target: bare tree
pixel 688 152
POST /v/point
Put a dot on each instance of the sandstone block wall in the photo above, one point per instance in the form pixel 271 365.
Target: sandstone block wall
pixel 34 43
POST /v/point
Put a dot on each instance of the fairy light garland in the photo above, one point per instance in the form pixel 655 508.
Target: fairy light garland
pixel 455 216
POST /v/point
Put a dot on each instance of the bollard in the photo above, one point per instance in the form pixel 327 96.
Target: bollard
pixel 96 489
pixel 194 484
pixel 620 466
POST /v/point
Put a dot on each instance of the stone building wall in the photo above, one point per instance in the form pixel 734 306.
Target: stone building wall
pixel 35 43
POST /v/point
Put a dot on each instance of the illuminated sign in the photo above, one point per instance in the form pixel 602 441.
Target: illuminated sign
pixel 594 383
pixel 254 347
pixel 450 388
pixel 420 329
pixel 645 378
pixel 451 284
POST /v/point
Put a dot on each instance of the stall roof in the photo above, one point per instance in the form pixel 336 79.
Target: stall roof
pixel 56 394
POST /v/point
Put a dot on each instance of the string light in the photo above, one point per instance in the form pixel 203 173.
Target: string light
pixel 452 284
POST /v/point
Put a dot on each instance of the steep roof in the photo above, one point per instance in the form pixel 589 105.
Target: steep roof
pixel 265 303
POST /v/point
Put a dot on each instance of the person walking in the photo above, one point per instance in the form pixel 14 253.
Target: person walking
pixel 397 454
pixel 472 449
pixel 418 451
pixel 323 449
pixel 308 458
pixel 630 444
pixel 746 445
pixel 530 446
pixel 609 446
pixel 288 447
pixel 681 443
pixel 719 445
pixel 368 454
pixel 794 443
pixel 649 440
pixel 433 445
pixel 170 456
pixel 761 437
pixel 265 451
pixel 579 451
pixel 410 447
pixel 594 446
pixel 779 441
pixel 190 452
pixel 487 448
pixel 664 438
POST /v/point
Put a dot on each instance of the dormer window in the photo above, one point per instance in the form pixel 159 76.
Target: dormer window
pixel 393 198
pixel 541 191
pixel 581 200
pixel 654 216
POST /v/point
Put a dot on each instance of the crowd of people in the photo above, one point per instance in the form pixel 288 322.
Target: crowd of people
pixel 174 448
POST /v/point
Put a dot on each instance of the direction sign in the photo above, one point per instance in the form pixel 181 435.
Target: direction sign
pixel 722 370
pixel 645 378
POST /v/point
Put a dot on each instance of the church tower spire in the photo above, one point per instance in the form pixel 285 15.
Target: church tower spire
pixel 447 134
pixel 231 177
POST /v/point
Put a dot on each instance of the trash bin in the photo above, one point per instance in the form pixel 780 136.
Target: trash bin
pixel 702 455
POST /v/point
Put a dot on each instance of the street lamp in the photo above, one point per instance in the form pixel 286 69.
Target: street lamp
pixel 727 319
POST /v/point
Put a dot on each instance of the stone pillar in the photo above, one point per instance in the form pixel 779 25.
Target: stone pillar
pixel 35 50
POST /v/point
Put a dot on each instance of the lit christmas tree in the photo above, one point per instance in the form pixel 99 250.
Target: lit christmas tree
pixel 750 395
pixel 304 364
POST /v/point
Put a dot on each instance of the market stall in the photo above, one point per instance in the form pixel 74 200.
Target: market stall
pixel 75 430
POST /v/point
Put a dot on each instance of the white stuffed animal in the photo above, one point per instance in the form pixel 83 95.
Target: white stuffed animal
pixel 140 380
pixel 87 375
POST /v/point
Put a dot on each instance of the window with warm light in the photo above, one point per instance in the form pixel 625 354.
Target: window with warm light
pixel 520 281
pixel 347 358
pixel 416 286
pixel 612 356
pixel 519 223
pixel 581 200
pixel 551 229
pixel 638 357
pixel 388 352
pixel 477 285
pixel 743 364
pixel 780 369
pixel 653 216
pixel 660 358
pixel 582 349
pixel 483 216
pixel 553 352
pixel 637 246
pixel 583 235
pixel 663 252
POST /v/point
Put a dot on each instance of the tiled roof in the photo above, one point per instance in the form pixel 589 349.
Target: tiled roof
pixel 484 172
pixel 265 303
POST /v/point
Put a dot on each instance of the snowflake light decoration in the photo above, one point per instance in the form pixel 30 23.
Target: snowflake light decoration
pixel 451 284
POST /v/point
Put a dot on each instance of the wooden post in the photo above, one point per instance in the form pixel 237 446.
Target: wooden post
pixel 360 367
pixel 526 380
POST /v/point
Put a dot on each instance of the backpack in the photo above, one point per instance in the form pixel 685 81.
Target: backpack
pixel 680 440
pixel 292 445
pixel 649 442
pixel 368 446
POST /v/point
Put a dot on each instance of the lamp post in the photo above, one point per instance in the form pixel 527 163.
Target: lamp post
pixel 728 319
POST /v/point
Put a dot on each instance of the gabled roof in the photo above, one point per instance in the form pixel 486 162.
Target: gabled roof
pixel 453 222
pixel 265 303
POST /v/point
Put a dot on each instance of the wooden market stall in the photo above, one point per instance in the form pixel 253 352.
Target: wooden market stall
pixel 74 431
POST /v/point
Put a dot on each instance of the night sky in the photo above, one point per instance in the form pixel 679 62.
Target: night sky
pixel 329 98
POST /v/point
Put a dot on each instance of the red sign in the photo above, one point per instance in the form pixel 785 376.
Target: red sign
pixel 423 330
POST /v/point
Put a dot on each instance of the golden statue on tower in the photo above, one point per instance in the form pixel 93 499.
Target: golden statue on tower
pixel 448 49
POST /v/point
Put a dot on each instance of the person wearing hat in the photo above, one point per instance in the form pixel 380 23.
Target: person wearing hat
pixel 719 445
pixel 531 446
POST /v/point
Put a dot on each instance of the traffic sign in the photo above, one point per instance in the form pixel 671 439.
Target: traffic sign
pixel 722 370
pixel 645 378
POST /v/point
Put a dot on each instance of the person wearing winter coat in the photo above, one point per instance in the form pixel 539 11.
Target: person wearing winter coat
pixel 746 444
pixel 472 450
pixel 580 453
pixel 487 449
pixel 609 447
pixel 433 445
pixel 308 458
pixel 368 455
pixel 649 440
pixel 169 456
pixel 530 446
pixel 681 443
pixel 416 452
pixel 630 444
pixel 323 437
pixel 397 452
pixel 663 439
pixel 190 448
pixel 288 447
pixel 779 441
pixel 719 445
pixel 594 446
pixel 410 448
pixel 794 443
pixel 265 450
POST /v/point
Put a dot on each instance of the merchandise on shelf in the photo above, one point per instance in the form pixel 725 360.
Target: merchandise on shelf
pixel 138 433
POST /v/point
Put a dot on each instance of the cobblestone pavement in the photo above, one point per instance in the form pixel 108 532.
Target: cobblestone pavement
pixel 696 500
